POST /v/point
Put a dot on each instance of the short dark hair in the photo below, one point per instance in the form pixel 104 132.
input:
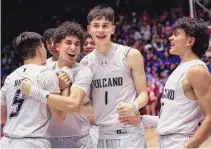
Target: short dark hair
pixel 48 34
pixel 69 29
pixel 99 12
pixel 197 29
pixel 26 44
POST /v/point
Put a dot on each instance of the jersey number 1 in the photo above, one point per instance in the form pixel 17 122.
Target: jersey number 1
pixel 17 100
pixel 106 97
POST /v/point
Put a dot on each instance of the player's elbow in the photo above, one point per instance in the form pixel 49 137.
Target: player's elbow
pixel 207 118
pixel 73 106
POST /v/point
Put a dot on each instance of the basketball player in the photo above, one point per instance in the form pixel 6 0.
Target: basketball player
pixel 186 98
pixel 49 44
pixel 119 77
pixel 74 132
pixel 26 118
pixel 88 46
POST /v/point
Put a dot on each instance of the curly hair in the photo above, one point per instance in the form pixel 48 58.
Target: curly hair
pixel 26 43
pixel 48 34
pixel 197 29
pixel 69 29
pixel 99 12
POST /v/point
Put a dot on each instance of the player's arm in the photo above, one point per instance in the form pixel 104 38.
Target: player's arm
pixel 3 105
pixel 86 108
pixel 201 86
pixel 136 119
pixel 67 104
pixel 59 115
pixel 135 63
pixel 53 83
pixel 78 91
pixel 70 104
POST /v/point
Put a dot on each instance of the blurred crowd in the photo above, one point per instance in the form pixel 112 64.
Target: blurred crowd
pixel 141 31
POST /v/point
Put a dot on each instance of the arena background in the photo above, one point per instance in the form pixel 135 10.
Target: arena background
pixel 142 24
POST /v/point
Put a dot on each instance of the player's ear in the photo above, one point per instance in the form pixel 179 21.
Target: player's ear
pixel 56 46
pixel 39 49
pixel 113 29
pixel 191 41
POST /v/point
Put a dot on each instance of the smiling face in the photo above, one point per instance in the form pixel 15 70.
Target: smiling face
pixel 101 30
pixel 69 49
pixel 51 48
pixel 180 42
pixel 89 45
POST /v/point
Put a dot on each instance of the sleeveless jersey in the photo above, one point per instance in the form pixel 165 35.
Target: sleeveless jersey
pixel 179 115
pixel 112 84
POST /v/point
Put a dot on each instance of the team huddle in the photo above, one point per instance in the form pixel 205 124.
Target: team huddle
pixel 60 103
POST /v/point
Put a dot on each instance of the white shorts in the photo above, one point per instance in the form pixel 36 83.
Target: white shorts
pixel 72 142
pixel 24 143
pixel 173 141
pixel 122 139
pixel 94 134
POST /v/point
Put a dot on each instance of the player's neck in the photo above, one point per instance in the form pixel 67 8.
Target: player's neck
pixel 188 56
pixel 61 63
pixel 104 48
pixel 32 61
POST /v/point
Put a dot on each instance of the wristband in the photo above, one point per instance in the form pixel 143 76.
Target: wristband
pixel 39 94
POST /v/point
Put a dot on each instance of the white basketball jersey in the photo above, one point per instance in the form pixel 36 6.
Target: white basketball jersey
pixel 179 115
pixel 74 124
pixel 112 84
pixel 26 116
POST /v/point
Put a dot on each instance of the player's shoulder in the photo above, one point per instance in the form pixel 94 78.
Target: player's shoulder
pixel 198 70
pixel 88 59
pixel 82 68
pixel 127 50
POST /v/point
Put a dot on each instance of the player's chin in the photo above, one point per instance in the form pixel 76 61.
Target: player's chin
pixel 173 51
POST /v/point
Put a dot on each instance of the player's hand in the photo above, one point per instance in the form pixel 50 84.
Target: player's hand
pixel 125 109
pixel 134 119
pixel 64 80
pixel 25 86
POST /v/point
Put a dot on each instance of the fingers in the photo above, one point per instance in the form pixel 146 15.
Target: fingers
pixel 124 120
pixel 120 106
pixel 62 74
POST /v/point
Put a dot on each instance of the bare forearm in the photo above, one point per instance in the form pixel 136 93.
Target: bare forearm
pixel 86 109
pixel 59 115
pixel 62 103
pixel 142 99
pixel 3 114
pixel 65 93
pixel 203 132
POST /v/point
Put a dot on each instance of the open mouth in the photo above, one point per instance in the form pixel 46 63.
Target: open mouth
pixel 101 37
pixel 71 55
